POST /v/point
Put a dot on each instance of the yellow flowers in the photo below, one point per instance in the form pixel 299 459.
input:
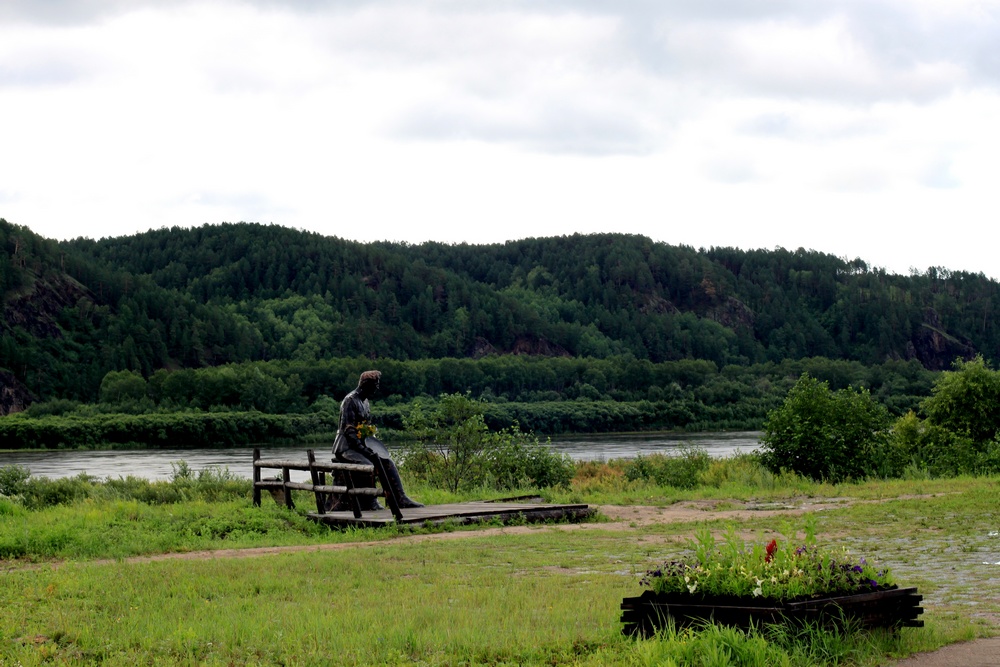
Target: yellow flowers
pixel 365 430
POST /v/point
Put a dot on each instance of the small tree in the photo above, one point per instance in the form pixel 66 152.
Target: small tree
pixel 456 450
pixel 962 431
pixel 829 435
pixel 451 443
pixel 966 401
pixel 119 386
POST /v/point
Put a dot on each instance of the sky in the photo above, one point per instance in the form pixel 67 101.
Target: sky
pixel 860 128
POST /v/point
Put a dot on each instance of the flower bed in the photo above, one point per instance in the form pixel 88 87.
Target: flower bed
pixel 890 608
pixel 743 585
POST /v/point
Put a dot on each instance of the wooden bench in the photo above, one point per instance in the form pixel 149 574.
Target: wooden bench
pixel 317 473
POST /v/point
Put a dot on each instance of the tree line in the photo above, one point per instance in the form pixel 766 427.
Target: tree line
pixel 172 302
pixel 545 395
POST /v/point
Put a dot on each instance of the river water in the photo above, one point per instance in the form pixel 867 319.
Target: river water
pixel 157 463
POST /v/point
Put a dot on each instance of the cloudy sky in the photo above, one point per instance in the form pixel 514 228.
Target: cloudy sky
pixel 862 128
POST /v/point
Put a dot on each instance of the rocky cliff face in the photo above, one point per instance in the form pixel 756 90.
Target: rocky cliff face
pixel 732 313
pixel 933 347
pixel 538 346
pixel 36 308
pixel 14 396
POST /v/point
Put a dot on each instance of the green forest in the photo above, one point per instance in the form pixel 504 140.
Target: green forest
pixel 576 333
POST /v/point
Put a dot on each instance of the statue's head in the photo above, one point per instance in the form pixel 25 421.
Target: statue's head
pixel 368 383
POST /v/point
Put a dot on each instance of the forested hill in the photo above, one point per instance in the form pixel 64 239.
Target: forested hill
pixel 183 298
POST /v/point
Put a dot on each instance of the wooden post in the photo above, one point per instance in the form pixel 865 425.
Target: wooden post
pixel 390 495
pixel 256 477
pixel 286 477
pixel 320 497
pixel 352 498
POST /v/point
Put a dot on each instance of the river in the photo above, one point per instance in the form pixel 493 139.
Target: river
pixel 156 463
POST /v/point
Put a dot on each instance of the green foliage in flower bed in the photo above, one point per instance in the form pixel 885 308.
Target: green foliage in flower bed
pixel 777 571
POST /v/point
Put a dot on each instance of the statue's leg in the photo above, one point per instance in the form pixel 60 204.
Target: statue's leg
pixel 397 485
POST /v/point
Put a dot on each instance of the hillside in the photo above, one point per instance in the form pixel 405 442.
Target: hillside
pixel 191 298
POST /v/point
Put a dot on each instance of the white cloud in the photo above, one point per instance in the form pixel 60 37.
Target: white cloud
pixel 860 127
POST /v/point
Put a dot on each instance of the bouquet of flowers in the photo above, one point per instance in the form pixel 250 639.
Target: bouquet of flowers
pixel 366 430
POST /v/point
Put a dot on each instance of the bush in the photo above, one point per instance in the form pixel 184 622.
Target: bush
pixel 827 435
pixel 42 492
pixel 455 449
pixel 966 401
pixel 516 459
pixel 682 471
pixel 744 469
pixel 941 452
pixel 211 484
pixel 961 434
pixel 12 480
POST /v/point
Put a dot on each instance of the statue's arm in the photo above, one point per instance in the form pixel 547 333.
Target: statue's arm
pixel 351 414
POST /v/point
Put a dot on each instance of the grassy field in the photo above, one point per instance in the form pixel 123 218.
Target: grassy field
pixel 73 591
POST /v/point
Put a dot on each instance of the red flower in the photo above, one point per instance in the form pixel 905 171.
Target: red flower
pixel 772 546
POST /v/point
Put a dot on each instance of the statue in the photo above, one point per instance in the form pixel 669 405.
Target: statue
pixel 355 442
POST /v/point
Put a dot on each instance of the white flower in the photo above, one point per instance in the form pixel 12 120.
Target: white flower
pixel 693 587
pixel 757 592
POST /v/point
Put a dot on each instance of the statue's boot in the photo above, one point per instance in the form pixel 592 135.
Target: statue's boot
pixel 397 486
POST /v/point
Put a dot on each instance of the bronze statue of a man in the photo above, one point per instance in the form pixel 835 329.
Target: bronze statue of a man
pixel 352 442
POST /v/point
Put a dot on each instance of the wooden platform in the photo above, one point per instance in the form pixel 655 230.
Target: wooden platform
pixel 461 513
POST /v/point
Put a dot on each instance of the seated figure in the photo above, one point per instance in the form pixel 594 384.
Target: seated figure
pixel 351 444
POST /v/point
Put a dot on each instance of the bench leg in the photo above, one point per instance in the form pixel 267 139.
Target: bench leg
pixel 315 477
pixel 256 477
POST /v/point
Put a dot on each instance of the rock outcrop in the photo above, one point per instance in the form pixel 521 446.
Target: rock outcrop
pixel 14 396
pixel 936 349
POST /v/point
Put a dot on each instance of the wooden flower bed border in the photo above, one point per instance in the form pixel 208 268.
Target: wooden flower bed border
pixel 890 608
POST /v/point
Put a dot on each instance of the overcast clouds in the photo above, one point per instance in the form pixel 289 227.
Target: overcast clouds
pixel 866 128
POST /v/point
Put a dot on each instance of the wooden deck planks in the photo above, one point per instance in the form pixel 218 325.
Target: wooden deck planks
pixel 461 513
